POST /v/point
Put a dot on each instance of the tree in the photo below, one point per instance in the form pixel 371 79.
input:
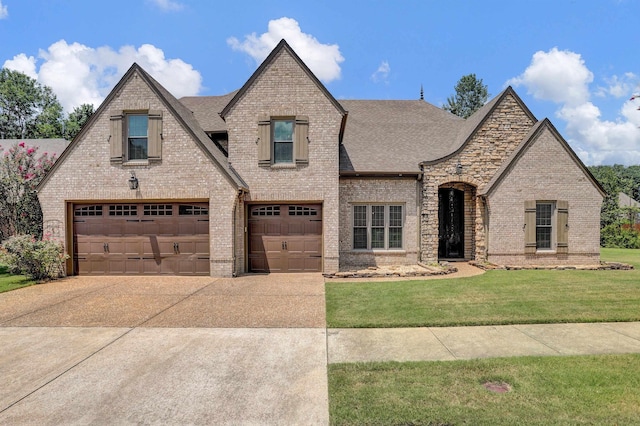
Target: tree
pixel 76 119
pixel 21 169
pixel 470 96
pixel 27 109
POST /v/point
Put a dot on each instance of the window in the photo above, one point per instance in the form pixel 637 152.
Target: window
pixel 137 137
pixel 157 210
pixel 377 227
pixel 544 226
pixel 123 210
pixel 190 210
pixel 283 140
pixel 88 211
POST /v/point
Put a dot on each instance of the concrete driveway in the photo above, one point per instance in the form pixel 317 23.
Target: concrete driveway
pixel 165 350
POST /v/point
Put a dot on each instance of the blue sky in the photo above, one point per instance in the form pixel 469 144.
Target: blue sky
pixel 574 61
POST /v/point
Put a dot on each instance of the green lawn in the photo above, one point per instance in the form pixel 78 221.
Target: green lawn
pixel 543 390
pixel 595 390
pixel 496 297
pixel 12 282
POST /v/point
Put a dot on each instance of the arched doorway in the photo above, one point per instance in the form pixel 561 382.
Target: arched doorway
pixel 451 228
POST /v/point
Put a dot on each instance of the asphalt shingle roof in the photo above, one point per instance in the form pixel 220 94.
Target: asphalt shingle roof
pixel 206 110
pixel 395 136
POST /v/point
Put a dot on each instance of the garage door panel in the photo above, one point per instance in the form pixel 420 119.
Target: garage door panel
pixel 142 239
pixel 290 241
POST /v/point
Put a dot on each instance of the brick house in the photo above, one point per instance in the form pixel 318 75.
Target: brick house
pixel 280 176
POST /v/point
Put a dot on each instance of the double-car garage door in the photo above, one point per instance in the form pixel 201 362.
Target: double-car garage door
pixel 285 238
pixel 145 238
pixel 173 238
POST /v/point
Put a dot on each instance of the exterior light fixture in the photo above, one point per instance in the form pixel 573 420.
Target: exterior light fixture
pixel 133 181
pixel 458 168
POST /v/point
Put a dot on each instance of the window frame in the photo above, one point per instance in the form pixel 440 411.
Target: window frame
pixel 546 222
pixel 128 137
pixel 290 142
pixel 377 223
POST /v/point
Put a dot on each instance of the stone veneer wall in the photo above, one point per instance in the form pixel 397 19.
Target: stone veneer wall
pixel 400 191
pixel 184 173
pixel 562 180
pixel 480 158
pixel 283 89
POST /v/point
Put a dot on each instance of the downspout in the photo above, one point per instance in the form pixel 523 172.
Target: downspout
pixel 234 269
pixel 419 212
pixel 485 213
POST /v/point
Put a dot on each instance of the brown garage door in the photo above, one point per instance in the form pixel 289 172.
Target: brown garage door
pixel 150 238
pixel 285 238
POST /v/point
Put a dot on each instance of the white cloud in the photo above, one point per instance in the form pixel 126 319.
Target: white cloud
pixel 80 74
pixel 618 87
pixel 323 59
pixel 558 76
pixel 167 5
pixel 4 12
pixel 382 73
pixel 23 63
pixel 563 78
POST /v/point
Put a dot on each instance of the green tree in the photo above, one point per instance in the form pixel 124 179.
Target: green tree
pixel 470 96
pixel 76 119
pixel 27 109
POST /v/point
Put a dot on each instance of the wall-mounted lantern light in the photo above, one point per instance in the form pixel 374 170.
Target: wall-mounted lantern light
pixel 133 181
pixel 458 168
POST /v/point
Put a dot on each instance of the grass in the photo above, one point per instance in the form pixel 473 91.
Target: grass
pixel 496 297
pixel 545 391
pixel 11 282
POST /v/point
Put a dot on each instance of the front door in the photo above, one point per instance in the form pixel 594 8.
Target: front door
pixel 451 223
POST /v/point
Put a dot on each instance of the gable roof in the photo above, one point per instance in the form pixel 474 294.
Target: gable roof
pixel 178 110
pixel 471 125
pixel 533 134
pixel 625 201
pixel 400 136
pixel 282 46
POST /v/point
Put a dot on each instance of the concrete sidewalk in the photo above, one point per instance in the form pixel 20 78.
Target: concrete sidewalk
pixel 165 350
pixel 451 343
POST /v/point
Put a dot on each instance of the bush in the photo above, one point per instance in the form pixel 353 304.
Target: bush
pixel 616 235
pixel 37 259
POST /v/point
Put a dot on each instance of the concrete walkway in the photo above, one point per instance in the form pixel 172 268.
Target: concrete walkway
pixel 451 343
pixel 165 350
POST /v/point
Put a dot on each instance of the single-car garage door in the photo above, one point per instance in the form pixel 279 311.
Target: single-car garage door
pixel 145 238
pixel 285 238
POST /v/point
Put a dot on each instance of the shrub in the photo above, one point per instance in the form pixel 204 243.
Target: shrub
pixel 37 259
pixel 616 235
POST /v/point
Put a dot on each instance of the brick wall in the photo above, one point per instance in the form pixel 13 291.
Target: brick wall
pixel 284 89
pixel 185 173
pixel 481 157
pixel 559 179
pixel 399 191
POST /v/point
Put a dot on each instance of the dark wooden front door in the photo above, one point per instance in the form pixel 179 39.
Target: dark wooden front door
pixel 150 238
pixel 451 223
pixel 285 238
